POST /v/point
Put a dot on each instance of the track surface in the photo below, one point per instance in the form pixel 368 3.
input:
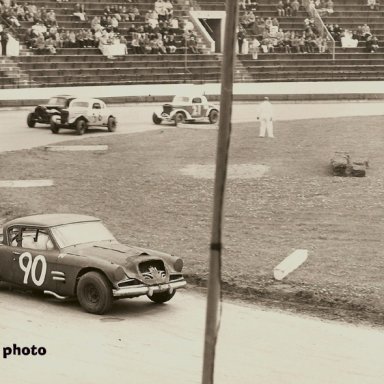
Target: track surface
pixel 139 342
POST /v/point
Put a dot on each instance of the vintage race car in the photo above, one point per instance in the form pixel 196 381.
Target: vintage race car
pixel 187 109
pixel 42 113
pixel 82 114
pixel 67 255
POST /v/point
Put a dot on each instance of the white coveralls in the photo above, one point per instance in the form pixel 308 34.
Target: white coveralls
pixel 266 118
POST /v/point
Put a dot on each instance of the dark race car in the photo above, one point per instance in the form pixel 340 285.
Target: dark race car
pixel 68 255
pixel 185 109
pixel 44 112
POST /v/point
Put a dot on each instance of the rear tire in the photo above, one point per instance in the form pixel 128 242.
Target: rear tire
pixel 213 116
pixel 81 126
pixel 161 297
pixel 31 122
pixel 111 124
pixel 94 293
pixel 179 118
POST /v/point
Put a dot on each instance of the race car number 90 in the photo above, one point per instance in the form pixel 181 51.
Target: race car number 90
pixel 30 268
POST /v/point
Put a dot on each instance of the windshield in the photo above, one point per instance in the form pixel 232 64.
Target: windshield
pixel 81 233
pixel 181 99
pixel 61 101
pixel 81 104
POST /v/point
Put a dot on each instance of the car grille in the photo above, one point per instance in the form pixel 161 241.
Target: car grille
pixel 167 108
pixel 64 117
pixel 153 270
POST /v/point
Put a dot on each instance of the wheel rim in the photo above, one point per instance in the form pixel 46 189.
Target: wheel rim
pixel 214 117
pixel 180 118
pixel 91 294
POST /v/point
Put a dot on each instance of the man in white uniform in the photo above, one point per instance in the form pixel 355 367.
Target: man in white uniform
pixel 266 118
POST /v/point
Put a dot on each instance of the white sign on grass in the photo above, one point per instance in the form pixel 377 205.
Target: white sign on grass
pixel 290 263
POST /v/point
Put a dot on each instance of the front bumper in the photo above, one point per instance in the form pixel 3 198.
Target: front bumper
pixel 149 290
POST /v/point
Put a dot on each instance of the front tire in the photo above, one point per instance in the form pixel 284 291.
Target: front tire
pixel 111 124
pixel 94 293
pixel 213 116
pixel 54 126
pixel 31 122
pixel 162 297
pixel 81 126
pixel 179 118
pixel 156 119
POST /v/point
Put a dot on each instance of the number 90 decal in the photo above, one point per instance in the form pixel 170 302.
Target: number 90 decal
pixel 30 268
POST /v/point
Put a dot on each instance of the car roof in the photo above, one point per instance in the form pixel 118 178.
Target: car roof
pixel 51 219
pixel 66 96
pixel 86 99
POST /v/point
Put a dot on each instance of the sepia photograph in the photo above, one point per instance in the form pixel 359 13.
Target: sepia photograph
pixel 191 190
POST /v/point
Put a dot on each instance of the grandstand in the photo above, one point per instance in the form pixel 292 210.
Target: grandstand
pixel 88 66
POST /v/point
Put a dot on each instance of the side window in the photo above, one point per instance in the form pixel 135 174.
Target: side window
pixel 32 238
pixel 96 106
pixel 196 100
pixel 14 236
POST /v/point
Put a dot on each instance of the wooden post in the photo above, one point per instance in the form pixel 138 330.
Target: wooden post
pixel 214 282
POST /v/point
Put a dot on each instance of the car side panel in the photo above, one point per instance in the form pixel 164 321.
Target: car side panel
pixel 28 267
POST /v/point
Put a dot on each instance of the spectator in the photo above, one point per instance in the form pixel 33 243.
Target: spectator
pixel 170 43
pixel 4 41
pixel 295 6
pixel 255 47
pixel 329 7
pixel 372 44
pixel 366 31
pixel 124 13
pixel 192 44
pixel 50 46
pixel 240 39
pixel 161 10
pixel 135 43
pixel 373 5
pixel 280 8
pixel 79 12
pixel 288 8
pixel 169 9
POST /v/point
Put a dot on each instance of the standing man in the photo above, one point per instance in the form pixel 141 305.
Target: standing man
pixel 266 118
pixel 4 41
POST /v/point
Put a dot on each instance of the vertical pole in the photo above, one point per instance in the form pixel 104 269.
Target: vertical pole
pixel 214 282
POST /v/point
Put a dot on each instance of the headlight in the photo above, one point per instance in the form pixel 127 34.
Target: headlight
pixel 179 264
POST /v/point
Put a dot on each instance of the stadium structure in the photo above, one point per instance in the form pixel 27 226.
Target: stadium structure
pixel 24 67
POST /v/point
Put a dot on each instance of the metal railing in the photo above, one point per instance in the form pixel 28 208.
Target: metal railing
pixel 320 27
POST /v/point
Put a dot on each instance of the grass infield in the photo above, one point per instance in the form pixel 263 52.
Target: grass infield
pixel 155 190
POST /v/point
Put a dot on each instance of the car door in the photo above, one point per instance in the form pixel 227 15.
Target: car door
pixel 31 258
pixel 105 113
pixel 96 116
pixel 197 107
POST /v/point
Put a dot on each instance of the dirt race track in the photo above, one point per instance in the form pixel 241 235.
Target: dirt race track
pixel 154 189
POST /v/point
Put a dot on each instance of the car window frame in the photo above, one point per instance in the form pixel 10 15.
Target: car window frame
pixel 21 227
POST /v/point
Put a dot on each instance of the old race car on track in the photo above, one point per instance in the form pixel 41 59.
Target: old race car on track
pixel 43 113
pixel 185 109
pixel 68 255
pixel 82 114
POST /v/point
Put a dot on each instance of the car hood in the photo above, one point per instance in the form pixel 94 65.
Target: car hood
pixel 50 106
pixel 120 254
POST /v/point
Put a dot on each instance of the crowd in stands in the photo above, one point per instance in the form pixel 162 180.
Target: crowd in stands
pixel 267 36
pixel 362 35
pixel 264 34
pixel 158 32
pixel 373 5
